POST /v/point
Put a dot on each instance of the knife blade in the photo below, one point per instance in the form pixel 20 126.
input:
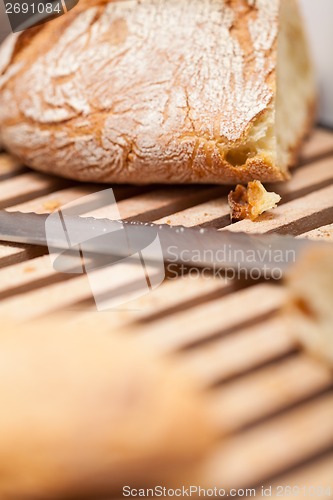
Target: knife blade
pixel 118 239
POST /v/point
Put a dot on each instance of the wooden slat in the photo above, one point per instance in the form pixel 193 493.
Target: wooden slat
pixel 161 202
pixel 253 456
pixel 314 480
pixel 12 253
pixel 255 303
pixel 174 295
pixel 160 301
pixel 27 186
pixel 268 390
pixel 41 302
pixel 324 233
pixel 203 214
pixel 21 276
pixel 249 347
pixel 58 199
pixel 306 179
pixel 320 143
pixel 188 327
pixel 52 201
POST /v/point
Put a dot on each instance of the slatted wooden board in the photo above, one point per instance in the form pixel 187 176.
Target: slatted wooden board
pixel 271 402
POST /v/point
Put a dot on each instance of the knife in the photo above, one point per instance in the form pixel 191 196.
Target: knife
pixel 117 239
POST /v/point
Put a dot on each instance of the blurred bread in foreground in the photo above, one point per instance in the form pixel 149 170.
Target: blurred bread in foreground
pixel 198 91
pixel 309 310
pixel 85 412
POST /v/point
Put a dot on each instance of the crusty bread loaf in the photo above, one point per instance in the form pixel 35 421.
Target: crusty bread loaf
pixel 85 412
pixel 160 91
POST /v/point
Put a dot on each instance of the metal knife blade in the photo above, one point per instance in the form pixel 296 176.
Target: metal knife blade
pixel 190 246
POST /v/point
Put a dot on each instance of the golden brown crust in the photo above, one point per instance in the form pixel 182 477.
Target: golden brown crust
pixel 144 92
pixel 239 203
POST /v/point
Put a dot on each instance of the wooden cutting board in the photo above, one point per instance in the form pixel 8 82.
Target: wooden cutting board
pixel 272 403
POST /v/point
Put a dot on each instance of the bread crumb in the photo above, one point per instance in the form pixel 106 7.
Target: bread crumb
pixel 250 202
pixel 29 269
pixel 52 205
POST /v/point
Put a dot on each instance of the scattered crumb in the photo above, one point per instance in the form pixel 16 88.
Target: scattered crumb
pixel 250 202
pixel 52 205
pixel 29 269
pixel 327 235
pixel 321 233
pixel 168 221
pixel 239 204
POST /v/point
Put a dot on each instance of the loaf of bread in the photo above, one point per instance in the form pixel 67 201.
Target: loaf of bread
pixel 174 91
pixel 85 412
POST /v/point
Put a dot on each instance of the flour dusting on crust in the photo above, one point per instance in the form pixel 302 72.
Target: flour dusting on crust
pixel 152 88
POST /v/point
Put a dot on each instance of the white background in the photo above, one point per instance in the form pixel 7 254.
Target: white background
pixel 319 19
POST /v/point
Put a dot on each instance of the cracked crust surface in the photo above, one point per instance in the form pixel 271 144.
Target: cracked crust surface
pixel 143 91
